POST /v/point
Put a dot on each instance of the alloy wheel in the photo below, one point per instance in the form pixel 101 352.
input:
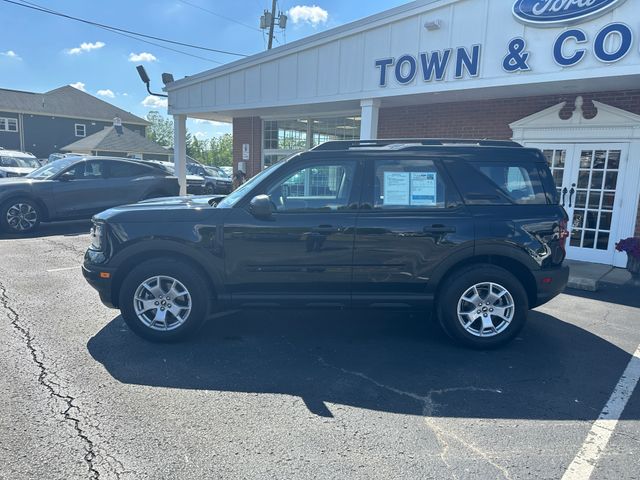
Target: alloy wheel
pixel 22 217
pixel 486 309
pixel 162 303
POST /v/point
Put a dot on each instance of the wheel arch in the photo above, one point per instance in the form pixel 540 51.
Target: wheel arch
pixel 173 253
pixel 46 216
pixel 512 265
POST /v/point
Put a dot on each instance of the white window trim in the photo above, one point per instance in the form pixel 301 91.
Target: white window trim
pixel 4 124
pixel 84 126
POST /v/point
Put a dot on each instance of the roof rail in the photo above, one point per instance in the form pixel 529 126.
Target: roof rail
pixel 402 143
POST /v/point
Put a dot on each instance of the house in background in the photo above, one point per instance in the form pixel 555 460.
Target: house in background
pixel 119 141
pixel 43 123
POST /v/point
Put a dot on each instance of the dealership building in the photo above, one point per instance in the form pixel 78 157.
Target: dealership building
pixel 559 75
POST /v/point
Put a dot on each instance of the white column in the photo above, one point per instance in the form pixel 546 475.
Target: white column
pixel 369 119
pixel 180 150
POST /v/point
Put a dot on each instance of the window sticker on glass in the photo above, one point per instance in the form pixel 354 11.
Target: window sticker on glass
pixel 396 188
pixel 423 188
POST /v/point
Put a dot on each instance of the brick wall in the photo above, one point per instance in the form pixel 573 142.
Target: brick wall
pixel 248 130
pixel 487 118
pixel 490 118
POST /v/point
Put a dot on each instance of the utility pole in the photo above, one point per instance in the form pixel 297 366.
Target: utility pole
pixel 269 19
pixel 272 24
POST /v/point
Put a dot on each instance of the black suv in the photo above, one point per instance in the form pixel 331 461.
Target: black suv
pixel 472 228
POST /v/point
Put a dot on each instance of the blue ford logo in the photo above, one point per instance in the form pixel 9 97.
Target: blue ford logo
pixel 554 12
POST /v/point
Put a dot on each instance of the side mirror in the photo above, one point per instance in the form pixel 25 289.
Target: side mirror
pixel 66 176
pixel 260 206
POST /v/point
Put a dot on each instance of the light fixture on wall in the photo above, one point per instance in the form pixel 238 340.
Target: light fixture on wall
pixel 432 25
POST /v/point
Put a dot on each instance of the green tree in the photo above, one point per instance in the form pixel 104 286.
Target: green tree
pixel 160 130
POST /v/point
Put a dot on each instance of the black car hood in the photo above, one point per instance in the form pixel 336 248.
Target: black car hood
pixel 18 181
pixel 174 209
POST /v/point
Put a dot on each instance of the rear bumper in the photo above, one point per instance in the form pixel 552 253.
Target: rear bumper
pixel 550 283
pixel 102 285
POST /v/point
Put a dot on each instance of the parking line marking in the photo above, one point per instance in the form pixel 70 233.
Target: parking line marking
pixel 598 437
pixel 63 269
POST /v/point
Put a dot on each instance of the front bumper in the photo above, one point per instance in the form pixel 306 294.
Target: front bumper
pixel 550 283
pixel 196 189
pixel 104 286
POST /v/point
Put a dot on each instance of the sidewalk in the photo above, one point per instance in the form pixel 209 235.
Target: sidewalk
pixel 589 276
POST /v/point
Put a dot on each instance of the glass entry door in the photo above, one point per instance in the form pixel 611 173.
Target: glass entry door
pixel 587 178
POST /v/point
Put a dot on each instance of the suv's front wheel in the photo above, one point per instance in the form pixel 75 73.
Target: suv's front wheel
pixel 482 306
pixel 164 300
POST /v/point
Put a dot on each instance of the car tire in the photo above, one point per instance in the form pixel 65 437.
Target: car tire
pixel 210 189
pixel 482 306
pixel 164 300
pixel 20 216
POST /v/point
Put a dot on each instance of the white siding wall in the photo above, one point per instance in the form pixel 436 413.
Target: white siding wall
pixel 343 68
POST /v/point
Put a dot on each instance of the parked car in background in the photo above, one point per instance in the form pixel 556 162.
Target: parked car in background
pixel 78 187
pixel 216 180
pixel 472 229
pixel 14 163
pixel 196 184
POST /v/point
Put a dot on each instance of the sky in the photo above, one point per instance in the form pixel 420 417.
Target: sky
pixel 40 52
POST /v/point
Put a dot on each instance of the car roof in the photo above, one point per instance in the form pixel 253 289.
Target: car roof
pixel 15 153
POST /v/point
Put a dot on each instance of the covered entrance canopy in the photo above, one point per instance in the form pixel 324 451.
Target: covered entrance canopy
pixel 446 68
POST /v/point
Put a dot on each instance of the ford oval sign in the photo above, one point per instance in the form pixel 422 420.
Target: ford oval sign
pixel 558 12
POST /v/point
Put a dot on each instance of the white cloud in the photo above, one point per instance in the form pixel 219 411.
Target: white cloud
pixel 106 93
pixel 79 85
pixel 313 15
pixel 85 47
pixel 155 102
pixel 210 122
pixel 200 135
pixel 142 57
pixel 11 54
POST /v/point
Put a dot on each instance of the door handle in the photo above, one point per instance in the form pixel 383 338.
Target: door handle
pixel 438 228
pixel 571 192
pixel 564 195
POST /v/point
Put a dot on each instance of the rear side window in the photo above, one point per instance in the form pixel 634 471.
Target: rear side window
pixel 128 169
pixel 498 183
pixel 408 184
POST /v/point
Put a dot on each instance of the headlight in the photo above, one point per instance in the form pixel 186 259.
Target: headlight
pixel 97 236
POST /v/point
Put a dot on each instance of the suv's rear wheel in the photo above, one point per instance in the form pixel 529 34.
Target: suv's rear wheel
pixel 164 300
pixel 482 306
pixel 20 215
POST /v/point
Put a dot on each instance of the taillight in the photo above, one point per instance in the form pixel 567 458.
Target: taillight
pixel 563 234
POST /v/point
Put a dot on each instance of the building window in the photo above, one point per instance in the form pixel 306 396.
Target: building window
pixel 282 138
pixel 8 124
pixel 81 130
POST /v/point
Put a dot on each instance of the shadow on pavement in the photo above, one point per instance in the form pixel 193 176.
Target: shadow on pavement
pixel 628 295
pixel 68 229
pixel 390 362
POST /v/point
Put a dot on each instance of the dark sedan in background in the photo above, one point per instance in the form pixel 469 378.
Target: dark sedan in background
pixel 216 180
pixel 79 187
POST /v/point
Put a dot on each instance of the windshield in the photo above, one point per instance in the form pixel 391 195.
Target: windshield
pixel 216 172
pixel 233 198
pixel 19 162
pixel 53 168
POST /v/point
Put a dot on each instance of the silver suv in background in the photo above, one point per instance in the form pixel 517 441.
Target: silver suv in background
pixel 216 180
pixel 14 163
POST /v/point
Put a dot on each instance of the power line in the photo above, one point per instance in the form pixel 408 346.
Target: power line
pixel 143 41
pixel 122 30
pixel 220 15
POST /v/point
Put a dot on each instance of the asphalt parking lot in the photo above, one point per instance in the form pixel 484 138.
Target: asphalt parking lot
pixel 299 394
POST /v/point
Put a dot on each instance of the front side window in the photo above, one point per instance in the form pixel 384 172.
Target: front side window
pixel 9 124
pixel 81 130
pixel 408 184
pixel 325 186
pixel 88 170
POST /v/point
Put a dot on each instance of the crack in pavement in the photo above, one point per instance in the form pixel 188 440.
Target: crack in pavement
pixel 429 409
pixel 48 384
